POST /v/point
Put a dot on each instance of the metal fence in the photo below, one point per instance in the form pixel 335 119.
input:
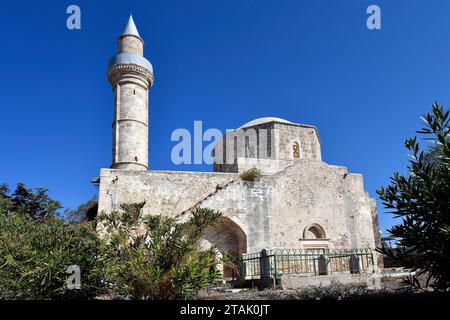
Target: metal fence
pixel 276 262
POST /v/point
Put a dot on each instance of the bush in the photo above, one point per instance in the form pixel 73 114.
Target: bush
pixel 250 174
pixel 154 256
pixel 84 213
pixel 34 257
pixel 421 200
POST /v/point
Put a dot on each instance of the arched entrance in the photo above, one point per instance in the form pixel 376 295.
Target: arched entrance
pixel 230 240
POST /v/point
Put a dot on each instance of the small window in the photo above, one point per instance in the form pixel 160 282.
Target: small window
pixel 247 146
pixel 296 150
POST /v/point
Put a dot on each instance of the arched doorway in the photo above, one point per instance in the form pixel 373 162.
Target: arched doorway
pixel 230 240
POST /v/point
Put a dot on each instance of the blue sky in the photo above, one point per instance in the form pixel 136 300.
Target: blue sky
pixel 225 63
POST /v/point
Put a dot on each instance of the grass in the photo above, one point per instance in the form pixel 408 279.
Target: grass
pixel 250 174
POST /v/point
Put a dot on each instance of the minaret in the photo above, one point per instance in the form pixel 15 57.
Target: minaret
pixel 131 76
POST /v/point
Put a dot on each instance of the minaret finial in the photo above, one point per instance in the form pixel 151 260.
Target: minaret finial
pixel 130 28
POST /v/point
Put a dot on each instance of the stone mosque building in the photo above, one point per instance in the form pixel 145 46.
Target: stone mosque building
pixel 299 201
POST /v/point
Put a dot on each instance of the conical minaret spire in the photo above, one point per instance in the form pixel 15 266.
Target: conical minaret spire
pixel 130 28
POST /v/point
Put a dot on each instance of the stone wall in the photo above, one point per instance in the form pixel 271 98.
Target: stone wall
pixel 305 136
pixel 166 192
pixel 268 147
pixel 131 45
pixel 250 206
pixel 266 166
pixel 271 212
pixel 312 192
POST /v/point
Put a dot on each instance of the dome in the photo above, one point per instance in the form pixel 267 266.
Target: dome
pixel 265 120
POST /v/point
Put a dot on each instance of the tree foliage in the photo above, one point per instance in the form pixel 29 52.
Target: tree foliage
pixel 34 257
pixel 422 200
pixel 154 256
pixel 85 212
pixel 133 255
pixel 34 204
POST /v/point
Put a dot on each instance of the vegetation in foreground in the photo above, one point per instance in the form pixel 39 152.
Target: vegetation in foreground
pixel 154 257
pixel 422 200
pixel 34 257
pixel 141 257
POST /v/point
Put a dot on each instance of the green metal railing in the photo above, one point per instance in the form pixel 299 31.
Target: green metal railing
pixel 276 262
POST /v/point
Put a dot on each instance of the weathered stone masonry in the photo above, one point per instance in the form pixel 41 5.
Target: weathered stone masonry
pixel 299 201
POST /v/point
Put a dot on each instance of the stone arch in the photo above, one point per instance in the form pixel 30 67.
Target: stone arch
pixel 314 231
pixel 229 238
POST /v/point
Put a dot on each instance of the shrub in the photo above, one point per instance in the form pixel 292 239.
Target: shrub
pixel 250 174
pixel 34 257
pixel 85 212
pixel 154 256
pixel 421 200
